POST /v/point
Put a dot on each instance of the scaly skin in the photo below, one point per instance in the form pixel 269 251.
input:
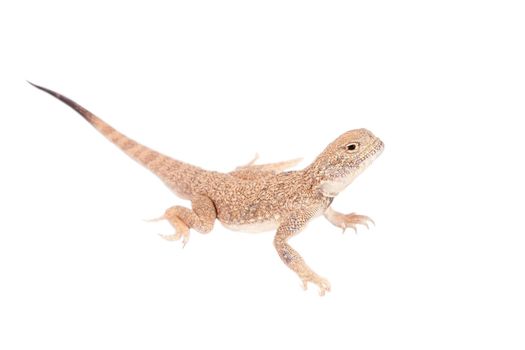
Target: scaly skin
pixel 255 197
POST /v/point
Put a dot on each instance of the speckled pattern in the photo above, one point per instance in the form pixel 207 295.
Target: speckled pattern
pixel 256 196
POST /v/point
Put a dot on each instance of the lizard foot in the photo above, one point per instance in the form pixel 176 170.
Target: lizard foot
pixel 345 221
pixel 322 283
pixel 181 231
pixel 351 220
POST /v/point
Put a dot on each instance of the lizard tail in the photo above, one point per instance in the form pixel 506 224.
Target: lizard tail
pixel 163 166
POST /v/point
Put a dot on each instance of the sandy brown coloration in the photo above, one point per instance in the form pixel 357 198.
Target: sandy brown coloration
pixel 255 196
pixel 345 221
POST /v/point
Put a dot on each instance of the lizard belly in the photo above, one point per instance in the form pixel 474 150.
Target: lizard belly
pixel 253 227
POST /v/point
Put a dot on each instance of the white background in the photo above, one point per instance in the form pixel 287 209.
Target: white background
pixel 211 83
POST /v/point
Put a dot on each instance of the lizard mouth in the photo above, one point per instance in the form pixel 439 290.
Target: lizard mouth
pixel 364 160
pixel 373 151
pixel 377 148
pixel 334 186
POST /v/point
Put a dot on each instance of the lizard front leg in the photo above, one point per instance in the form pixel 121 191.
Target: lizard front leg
pixel 291 257
pixel 345 221
pixel 201 218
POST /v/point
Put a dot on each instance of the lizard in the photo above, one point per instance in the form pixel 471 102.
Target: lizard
pixel 255 198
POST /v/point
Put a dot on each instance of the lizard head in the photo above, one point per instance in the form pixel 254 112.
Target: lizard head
pixel 344 159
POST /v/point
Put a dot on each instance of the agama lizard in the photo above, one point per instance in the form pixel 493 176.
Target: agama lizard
pixel 255 198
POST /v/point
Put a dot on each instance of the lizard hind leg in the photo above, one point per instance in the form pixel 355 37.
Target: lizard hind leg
pixel 273 167
pixel 200 218
pixel 252 171
pixel 181 229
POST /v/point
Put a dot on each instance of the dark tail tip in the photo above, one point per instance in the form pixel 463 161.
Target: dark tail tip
pixel 80 110
pixel 51 92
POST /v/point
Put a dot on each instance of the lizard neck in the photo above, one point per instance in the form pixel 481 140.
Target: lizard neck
pixel 329 181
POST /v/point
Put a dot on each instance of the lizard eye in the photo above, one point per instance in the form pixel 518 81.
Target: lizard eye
pixel 352 146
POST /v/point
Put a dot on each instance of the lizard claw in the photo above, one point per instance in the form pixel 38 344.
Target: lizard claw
pixel 181 231
pixel 322 283
pixel 352 220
